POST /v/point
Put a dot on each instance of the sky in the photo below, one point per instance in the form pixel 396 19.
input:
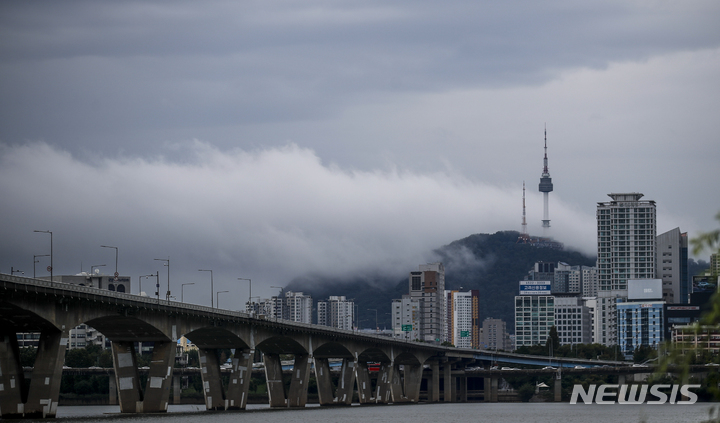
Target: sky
pixel 279 139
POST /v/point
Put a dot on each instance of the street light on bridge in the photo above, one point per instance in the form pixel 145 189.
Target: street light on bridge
pixel 140 282
pixel 167 263
pixel 212 290
pixel 116 259
pixel 35 260
pixel 51 252
pixel 218 298
pixel 376 326
pixel 182 288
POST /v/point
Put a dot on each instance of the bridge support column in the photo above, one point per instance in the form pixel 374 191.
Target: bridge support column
pixel 448 383
pixel 240 375
pixel 463 389
pixel 413 380
pixel 621 379
pixel 212 384
pixel 126 377
pixel 364 384
pixel 47 373
pixel 12 378
pixel 346 383
pixel 434 383
pixel 383 388
pixel 557 389
pixel 176 389
pixel 491 389
pixel 397 388
pixel 324 381
pixel 157 387
pixel 274 380
pixel 297 396
pixel 112 391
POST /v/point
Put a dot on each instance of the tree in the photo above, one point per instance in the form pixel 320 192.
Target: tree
pixel 553 338
pixel 526 392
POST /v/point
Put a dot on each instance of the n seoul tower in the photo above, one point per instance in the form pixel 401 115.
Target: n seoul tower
pixel 546 187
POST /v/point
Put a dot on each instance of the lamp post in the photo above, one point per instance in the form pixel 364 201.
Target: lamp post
pixel 35 260
pixel 94 266
pixel 249 295
pixel 182 288
pixel 167 263
pixel 116 254
pixel 217 294
pixel 376 326
pixel 13 271
pixel 140 282
pixel 51 252
pixel 212 290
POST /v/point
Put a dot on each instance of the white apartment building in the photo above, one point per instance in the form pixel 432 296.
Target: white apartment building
pixel 462 318
pixel 626 239
pixel 299 307
pixel 406 318
pixel 336 312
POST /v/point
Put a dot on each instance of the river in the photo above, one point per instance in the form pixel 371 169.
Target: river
pixel 418 413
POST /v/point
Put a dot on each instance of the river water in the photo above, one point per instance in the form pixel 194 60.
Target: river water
pixel 411 413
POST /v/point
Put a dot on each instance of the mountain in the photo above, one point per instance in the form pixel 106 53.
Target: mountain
pixel 490 263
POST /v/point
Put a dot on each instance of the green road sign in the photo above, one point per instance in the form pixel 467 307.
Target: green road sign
pixel 407 328
pixel 464 333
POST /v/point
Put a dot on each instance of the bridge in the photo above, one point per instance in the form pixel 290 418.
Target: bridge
pixel 54 308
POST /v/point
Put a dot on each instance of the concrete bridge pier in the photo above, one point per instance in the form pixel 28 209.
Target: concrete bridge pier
pixel 397 387
pixel 127 377
pixel 297 395
pixel 157 388
pixel 46 377
pixel 491 389
pixel 383 389
pixel 12 379
pixel 346 383
pixel 239 383
pixel 463 391
pixel 557 389
pixel 212 384
pixel 177 381
pixel 112 391
pixel 448 383
pixel 324 381
pixel 364 384
pixel 274 380
pixel 412 381
pixel 434 382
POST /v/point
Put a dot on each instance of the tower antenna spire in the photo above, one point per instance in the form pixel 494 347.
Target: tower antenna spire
pixel 545 187
pixel 524 222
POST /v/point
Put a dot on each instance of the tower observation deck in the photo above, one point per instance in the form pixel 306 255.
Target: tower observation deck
pixel 545 187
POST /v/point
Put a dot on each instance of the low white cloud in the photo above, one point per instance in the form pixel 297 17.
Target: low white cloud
pixel 272 215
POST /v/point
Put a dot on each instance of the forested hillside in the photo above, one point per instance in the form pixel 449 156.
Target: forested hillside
pixel 492 264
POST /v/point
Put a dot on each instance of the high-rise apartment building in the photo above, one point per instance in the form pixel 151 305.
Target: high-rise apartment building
pixel 463 322
pixel 534 313
pixel 671 267
pixel 572 320
pixel 336 312
pixel 406 318
pixel 427 286
pixel 495 335
pixel 299 307
pixel 626 231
